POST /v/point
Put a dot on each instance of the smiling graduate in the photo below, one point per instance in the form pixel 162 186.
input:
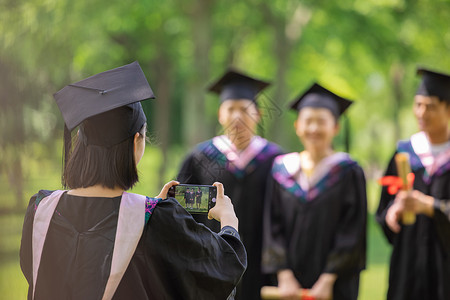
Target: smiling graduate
pixel 315 223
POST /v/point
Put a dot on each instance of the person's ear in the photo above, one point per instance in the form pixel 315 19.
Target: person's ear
pixel 447 106
pixel 220 116
pixel 136 140
pixel 296 124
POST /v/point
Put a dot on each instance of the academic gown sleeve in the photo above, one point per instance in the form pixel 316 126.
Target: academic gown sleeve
pixel 442 221
pixel 25 245
pixel 348 253
pixel 26 256
pixel 274 256
pixel 386 200
pixel 442 209
pixel 187 260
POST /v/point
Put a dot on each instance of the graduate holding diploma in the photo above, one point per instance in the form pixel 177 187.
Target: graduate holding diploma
pixel 420 261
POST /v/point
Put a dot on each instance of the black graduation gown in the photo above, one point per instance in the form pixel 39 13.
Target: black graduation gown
pixel 420 260
pixel 176 257
pixel 319 231
pixel 246 188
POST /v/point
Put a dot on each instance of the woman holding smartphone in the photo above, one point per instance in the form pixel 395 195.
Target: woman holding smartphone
pixel 315 222
pixel 96 240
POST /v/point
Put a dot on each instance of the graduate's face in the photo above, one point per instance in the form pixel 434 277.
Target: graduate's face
pixel 316 128
pixel 239 119
pixel 432 115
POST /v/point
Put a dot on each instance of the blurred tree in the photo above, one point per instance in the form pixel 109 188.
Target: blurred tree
pixel 364 49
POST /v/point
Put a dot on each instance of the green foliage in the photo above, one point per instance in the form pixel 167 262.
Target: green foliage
pixel 349 46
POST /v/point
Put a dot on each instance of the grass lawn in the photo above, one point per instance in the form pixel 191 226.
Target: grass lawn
pixel 43 174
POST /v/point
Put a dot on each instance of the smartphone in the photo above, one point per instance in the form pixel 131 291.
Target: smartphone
pixel 196 199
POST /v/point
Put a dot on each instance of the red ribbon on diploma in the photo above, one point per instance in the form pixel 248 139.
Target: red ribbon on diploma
pixel 272 293
pixel 395 183
pixel 306 296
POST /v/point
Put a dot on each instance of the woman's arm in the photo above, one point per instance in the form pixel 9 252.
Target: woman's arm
pixel 182 254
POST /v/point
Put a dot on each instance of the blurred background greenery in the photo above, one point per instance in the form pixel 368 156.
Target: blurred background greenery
pixel 366 50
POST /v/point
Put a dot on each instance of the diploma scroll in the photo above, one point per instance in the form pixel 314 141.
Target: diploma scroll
pixel 403 169
pixel 272 293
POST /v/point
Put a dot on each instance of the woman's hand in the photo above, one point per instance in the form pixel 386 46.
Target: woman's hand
pixel 288 286
pixel 223 211
pixel 323 288
pixel 165 189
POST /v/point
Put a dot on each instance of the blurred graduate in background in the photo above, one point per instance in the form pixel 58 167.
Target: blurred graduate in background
pixel 315 223
pixel 420 261
pixel 241 160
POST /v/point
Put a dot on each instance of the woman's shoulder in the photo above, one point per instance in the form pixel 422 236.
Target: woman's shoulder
pixel 152 204
pixel 41 194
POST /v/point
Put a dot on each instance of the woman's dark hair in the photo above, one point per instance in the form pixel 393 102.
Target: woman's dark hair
pixel 110 167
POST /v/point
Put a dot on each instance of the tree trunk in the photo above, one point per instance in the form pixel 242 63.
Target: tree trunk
pixel 282 50
pixel 197 126
pixel 162 116
pixel 397 74
pixel 288 31
pixel 13 129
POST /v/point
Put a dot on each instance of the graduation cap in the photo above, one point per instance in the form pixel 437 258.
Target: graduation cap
pixel 106 105
pixel 434 84
pixel 234 85
pixel 319 97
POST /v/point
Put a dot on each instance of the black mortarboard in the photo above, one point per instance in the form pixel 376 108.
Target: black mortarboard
pixel 320 97
pixel 434 84
pixel 234 85
pixel 106 105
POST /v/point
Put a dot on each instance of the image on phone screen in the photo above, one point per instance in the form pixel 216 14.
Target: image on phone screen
pixel 194 198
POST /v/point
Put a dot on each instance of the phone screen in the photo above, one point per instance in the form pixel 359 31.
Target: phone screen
pixel 196 199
